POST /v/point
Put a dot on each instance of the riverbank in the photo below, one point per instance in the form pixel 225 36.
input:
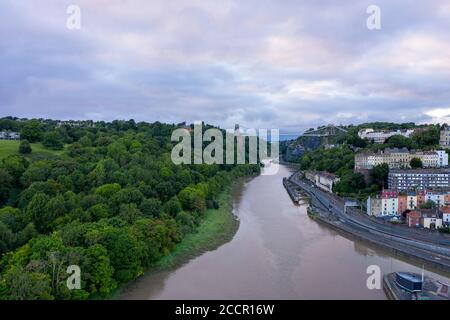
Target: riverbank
pixel 217 228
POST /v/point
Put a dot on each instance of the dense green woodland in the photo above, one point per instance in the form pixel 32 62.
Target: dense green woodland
pixel 112 203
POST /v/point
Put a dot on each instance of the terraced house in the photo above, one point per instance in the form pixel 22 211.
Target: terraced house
pixel 444 140
pixel 400 158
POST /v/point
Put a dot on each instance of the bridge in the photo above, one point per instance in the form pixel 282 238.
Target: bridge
pixel 329 130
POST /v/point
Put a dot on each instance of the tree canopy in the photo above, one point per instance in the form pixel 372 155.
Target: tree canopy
pixel 112 203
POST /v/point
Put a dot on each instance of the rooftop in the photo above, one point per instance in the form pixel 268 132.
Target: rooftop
pixel 422 171
pixel 410 276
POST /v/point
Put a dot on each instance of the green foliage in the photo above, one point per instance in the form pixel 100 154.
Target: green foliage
pixel 429 204
pixel 350 183
pixel 172 207
pixel 416 163
pixel 330 160
pixel 23 285
pixel 108 190
pixel 193 199
pixel 114 204
pixel 100 273
pixel 427 138
pixel 32 131
pixel 379 174
pixel 24 147
pixel 151 207
pixel 15 165
pixel 6 182
pixel 53 141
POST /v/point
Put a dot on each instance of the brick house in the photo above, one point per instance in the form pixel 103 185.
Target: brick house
pixel 413 218
pixel 402 203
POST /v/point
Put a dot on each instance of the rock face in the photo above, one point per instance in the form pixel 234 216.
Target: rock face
pixel 294 149
pixel 312 139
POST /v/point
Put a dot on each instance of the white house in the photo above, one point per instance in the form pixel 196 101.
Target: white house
pixel 374 206
pixel 442 158
pixel 430 220
pixel 326 180
pixel 6 135
pixel 445 215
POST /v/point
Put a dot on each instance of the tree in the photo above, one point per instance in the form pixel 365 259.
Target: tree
pixel 52 140
pixel 24 285
pixel 5 185
pixel 429 204
pixel 36 212
pixel 124 251
pixel 100 273
pixel 99 211
pixel 399 141
pixel 380 174
pixel 32 131
pixel 151 207
pixel 108 190
pixel 427 138
pixel 172 207
pixel 416 163
pixel 350 183
pixel 24 147
pixel 37 171
pixel 15 165
pixel 129 212
pixel 110 205
pixel 7 239
pixel 192 199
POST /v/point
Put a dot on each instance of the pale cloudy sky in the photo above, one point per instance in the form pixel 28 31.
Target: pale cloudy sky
pixel 263 64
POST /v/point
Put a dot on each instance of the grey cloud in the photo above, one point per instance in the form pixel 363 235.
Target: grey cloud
pixel 289 64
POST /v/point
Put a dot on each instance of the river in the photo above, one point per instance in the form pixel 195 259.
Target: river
pixel 277 253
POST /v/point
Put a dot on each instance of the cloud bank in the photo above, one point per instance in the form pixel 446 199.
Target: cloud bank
pixel 263 64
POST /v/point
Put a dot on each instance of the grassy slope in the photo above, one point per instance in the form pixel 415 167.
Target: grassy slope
pixel 9 147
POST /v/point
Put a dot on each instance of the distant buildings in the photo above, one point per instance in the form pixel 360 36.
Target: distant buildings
pixel 446 215
pixel 425 218
pixel 430 219
pixel 374 207
pixel 389 203
pixel 76 123
pixel 419 179
pixel 400 158
pixel 413 219
pixel 444 140
pixel 323 180
pixel 5 135
pixel 381 136
pixel 393 203
pixel 386 204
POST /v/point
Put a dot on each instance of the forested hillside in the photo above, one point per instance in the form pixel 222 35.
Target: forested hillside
pixel 111 201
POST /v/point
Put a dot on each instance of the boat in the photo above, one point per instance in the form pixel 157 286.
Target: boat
pixel 408 281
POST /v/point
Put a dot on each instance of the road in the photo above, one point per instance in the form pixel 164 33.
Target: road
pixel 433 248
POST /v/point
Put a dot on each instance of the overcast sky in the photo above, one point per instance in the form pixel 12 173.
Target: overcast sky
pixel 263 64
